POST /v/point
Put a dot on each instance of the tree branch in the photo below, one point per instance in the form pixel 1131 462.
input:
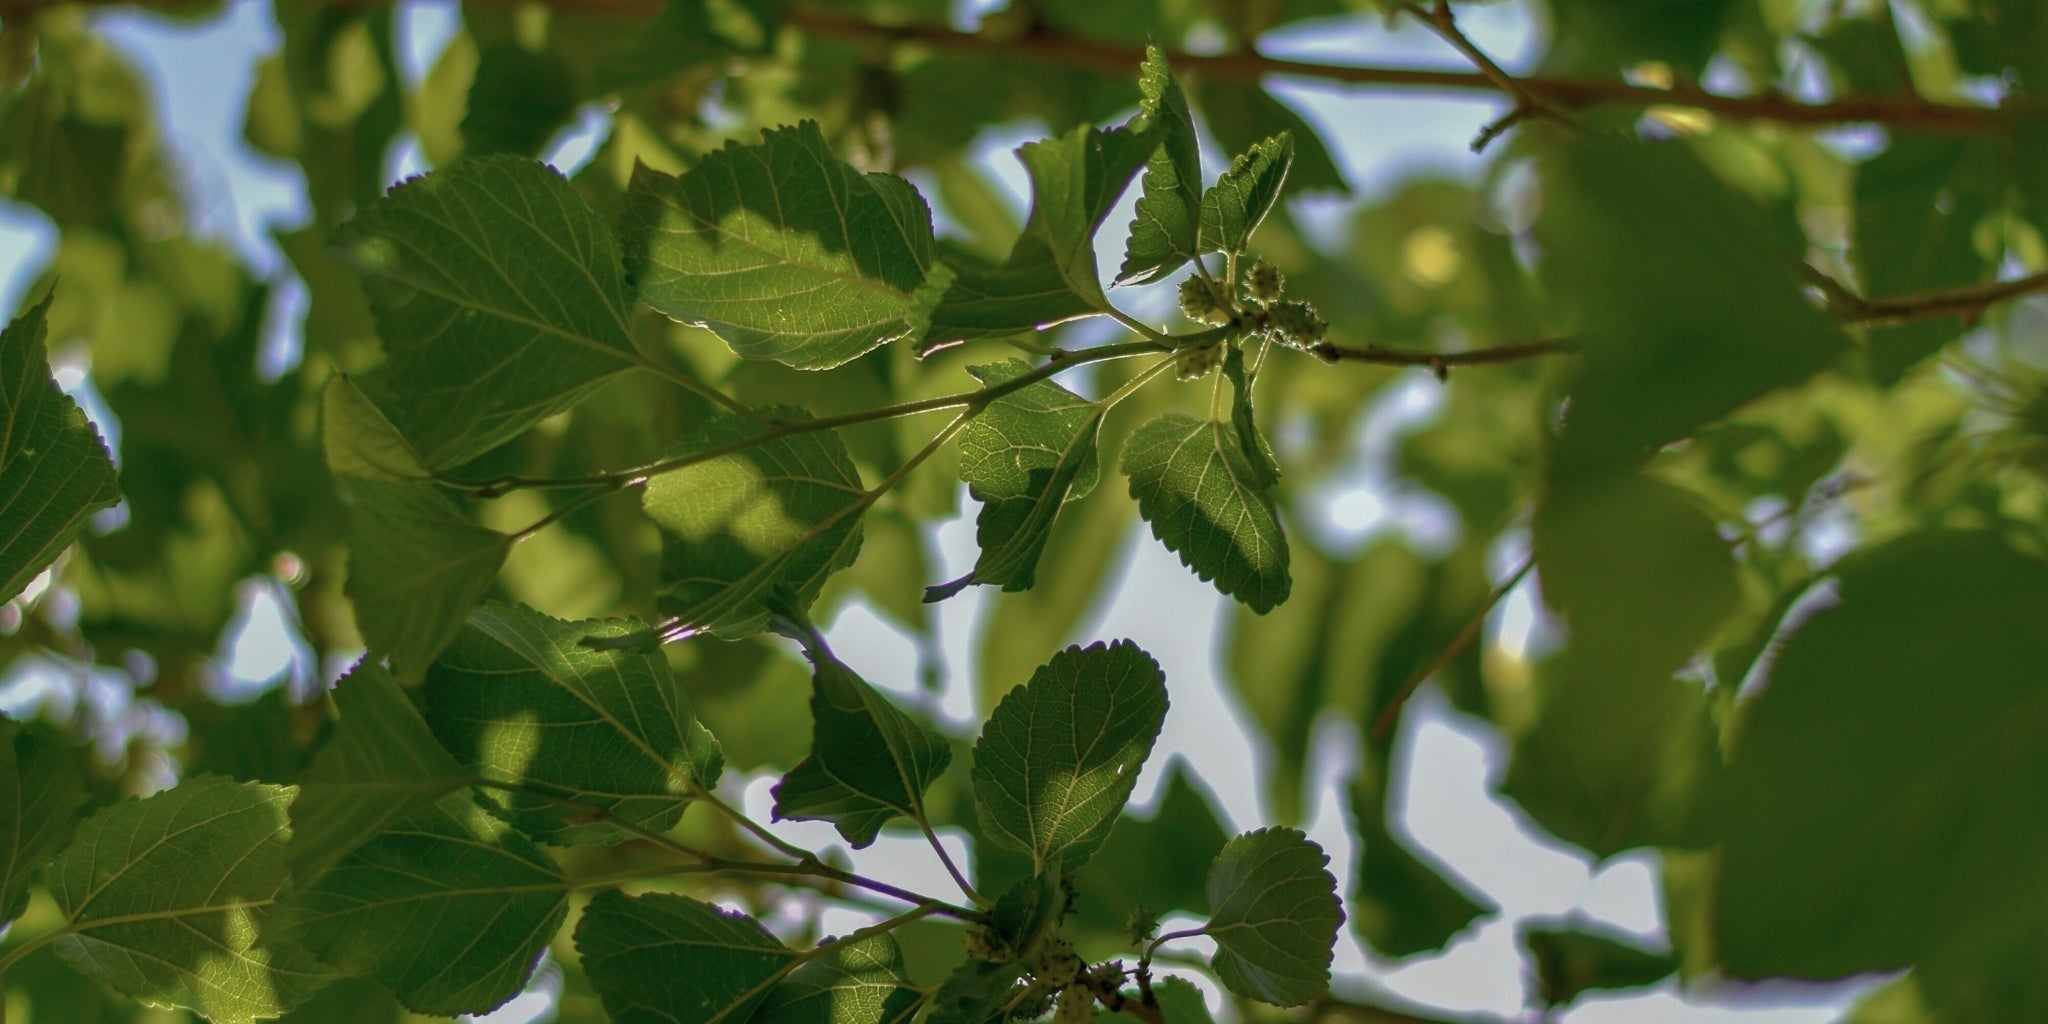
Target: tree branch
pixel 1439 19
pixel 1440 363
pixel 1968 302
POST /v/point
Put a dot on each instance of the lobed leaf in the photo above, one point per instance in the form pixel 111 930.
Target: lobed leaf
pixel 500 297
pixel 1274 914
pixel 449 908
pixel 380 765
pixel 1165 229
pixel 765 522
pixel 1234 207
pixel 1199 492
pixel 416 566
pixel 660 958
pixel 869 760
pixel 169 900
pixel 521 699
pixel 54 469
pixel 1056 762
pixel 781 249
pixel 1028 453
pixel 41 794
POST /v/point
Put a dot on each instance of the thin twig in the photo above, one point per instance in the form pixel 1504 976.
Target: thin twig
pixel 1440 363
pixel 1383 724
pixel 1439 19
pixel 1968 302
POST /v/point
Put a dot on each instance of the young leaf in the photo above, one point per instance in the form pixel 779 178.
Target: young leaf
pixel 359 440
pixel 668 959
pixel 869 761
pixel 1027 454
pixel 500 297
pixel 1274 914
pixel 380 765
pixel 767 522
pixel 521 699
pixel 41 794
pixel 1165 229
pixel 1050 276
pixel 169 900
pixel 1199 492
pixel 852 983
pixel 1057 760
pixel 449 908
pixel 781 249
pixel 1233 207
pixel 416 566
pixel 1257 453
pixel 54 470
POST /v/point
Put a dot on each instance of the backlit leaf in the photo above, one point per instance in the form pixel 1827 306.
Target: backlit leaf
pixel 54 470
pixel 659 958
pixel 1199 492
pixel 416 567
pixel 1164 231
pixel 1233 207
pixel 1274 914
pixel 869 760
pixel 853 983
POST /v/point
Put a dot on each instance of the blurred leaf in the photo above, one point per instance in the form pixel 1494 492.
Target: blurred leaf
pixel 1868 821
pixel 168 899
pixel 869 760
pixel 1057 760
pixel 54 469
pixel 449 908
pixel 1274 914
pixel 766 522
pixel 1402 903
pixel 1233 207
pixel 1918 206
pixel 1164 230
pixel 380 765
pixel 518 100
pixel 254 741
pixel 1603 36
pixel 500 297
pixel 781 249
pixel 661 957
pixel 521 699
pixel 359 440
pixel 1027 454
pixel 1199 492
pixel 1242 115
pixel 1568 961
pixel 416 567
pixel 41 797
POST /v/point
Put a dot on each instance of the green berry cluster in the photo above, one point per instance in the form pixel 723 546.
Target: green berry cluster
pixel 1256 309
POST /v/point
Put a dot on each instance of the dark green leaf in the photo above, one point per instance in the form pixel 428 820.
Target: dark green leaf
pixel 1274 914
pixel 521 699
pixel 767 522
pixel 517 101
pixel 975 992
pixel 54 470
pixel 854 983
pixel 1243 113
pixel 781 249
pixel 169 899
pixel 1245 422
pixel 449 908
pixel 1918 208
pixel 1605 36
pixel 1569 961
pixel 869 761
pixel 1233 207
pixel 665 959
pixel 1165 229
pixel 1155 865
pixel 1050 276
pixel 1180 1002
pixel 380 765
pixel 1027 454
pixel 41 795
pixel 1057 760
pixel 500 298
pixel 1401 901
pixel 1881 800
pixel 416 567
pixel 1199 492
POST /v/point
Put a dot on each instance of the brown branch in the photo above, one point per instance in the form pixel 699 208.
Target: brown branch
pixel 1383 724
pixel 1440 363
pixel 1968 302
pixel 1439 19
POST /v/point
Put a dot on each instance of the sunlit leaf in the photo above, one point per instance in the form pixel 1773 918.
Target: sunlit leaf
pixel 54 470
pixel 1274 914
pixel 1164 231
pixel 1233 207
pixel 1199 492
pixel 854 983
pixel 667 959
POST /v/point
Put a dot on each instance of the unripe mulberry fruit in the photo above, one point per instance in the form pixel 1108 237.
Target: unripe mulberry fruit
pixel 1203 301
pixel 1194 363
pixel 1077 1006
pixel 1298 324
pixel 1262 281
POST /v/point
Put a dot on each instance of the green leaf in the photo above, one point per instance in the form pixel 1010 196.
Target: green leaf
pixel 1027 454
pixel 359 440
pixel 1057 760
pixel 1180 1002
pixel 1199 492
pixel 380 765
pixel 659 958
pixel 1164 231
pixel 852 983
pixel 1602 37
pixel 1401 902
pixel 41 794
pixel 781 249
pixel 1918 207
pixel 169 898
pixel 500 297
pixel 1880 802
pixel 1244 113
pixel 518 100
pixel 1155 865
pixel 449 908
pixel 416 566
pixel 1245 422
pixel 1274 915
pixel 975 992
pixel 54 470
pixel 522 700
pixel 1234 207
pixel 1570 961
pixel 1675 341
pixel 1050 276
pixel 869 761
pixel 764 523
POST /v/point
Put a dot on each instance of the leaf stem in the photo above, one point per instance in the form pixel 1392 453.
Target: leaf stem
pixel 959 877
pixel 1439 19
pixel 755 828
pixel 698 387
